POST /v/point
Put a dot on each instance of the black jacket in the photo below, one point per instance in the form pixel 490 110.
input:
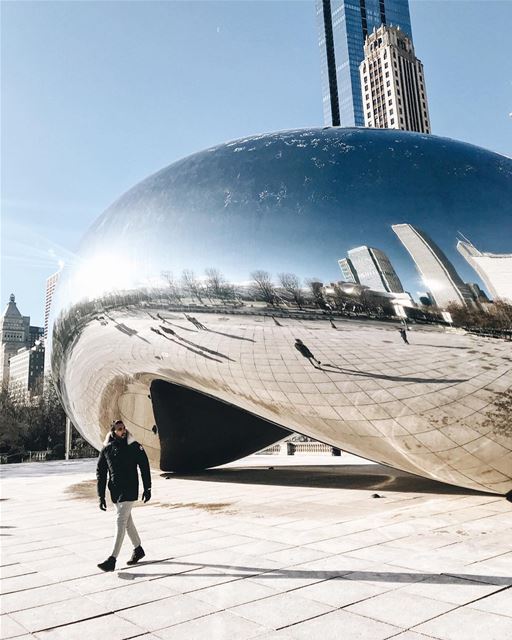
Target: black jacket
pixel 120 460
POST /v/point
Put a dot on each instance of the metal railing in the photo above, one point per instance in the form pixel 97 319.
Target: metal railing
pixel 291 448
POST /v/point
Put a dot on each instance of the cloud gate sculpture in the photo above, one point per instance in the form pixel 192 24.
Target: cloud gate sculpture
pixel 182 312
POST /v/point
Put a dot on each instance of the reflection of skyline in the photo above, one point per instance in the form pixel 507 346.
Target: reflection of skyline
pixel 495 270
pixel 372 268
pixel 340 189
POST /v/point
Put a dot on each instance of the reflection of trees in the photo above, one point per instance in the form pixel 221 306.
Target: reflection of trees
pixel 217 286
pixel 263 288
pixel 174 292
pixel 292 290
pixel 497 315
pixel 316 291
pixel 192 286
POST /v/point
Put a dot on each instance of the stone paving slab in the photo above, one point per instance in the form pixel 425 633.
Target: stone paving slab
pixel 299 550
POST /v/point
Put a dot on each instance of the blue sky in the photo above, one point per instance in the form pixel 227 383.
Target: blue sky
pixel 98 95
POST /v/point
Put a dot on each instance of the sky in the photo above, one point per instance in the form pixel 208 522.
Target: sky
pixel 98 95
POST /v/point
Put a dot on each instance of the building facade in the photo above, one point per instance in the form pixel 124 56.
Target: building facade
pixel 495 269
pixel 438 274
pixel 348 271
pixel 14 335
pixel 51 283
pixel 26 372
pixel 393 83
pixel 374 269
pixel 342 29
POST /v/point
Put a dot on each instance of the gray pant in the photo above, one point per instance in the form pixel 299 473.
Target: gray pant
pixel 124 524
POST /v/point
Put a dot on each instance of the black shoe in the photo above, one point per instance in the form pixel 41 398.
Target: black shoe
pixel 137 554
pixel 108 565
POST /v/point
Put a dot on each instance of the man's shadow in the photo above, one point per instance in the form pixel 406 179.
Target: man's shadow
pixel 244 571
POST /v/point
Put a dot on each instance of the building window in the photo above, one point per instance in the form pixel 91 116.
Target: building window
pixel 389 92
pixel 391 112
pixel 390 102
pixel 388 83
pixel 392 121
pixel 387 74
pixel 386 65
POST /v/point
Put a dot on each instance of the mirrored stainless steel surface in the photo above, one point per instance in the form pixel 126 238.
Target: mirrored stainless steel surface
pixel 182 312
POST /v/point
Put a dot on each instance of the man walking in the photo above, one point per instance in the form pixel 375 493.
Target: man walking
pixel 120 458
pixel 403 335
pixel 301 347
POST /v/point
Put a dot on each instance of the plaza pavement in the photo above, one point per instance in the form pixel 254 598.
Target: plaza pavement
pixel 271 548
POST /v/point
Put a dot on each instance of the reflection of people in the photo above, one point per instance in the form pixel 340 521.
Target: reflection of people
pixel 403 335
pixel 195 322
pixel 301 347
pixel 120 457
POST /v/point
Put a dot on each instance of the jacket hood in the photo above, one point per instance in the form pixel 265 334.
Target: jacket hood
pixel 110 437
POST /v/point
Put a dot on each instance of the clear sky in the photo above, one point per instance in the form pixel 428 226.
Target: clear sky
pixel 98 95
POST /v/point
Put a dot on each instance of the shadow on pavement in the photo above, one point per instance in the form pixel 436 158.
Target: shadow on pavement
pixel 404 577
pixel 374 477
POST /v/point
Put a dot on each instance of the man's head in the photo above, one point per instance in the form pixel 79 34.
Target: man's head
pixel 118 429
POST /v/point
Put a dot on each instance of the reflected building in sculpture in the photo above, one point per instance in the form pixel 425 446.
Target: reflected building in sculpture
pixel 348 271
pixel 437 272
pixel 374 269
pixel 494 269
pixel 342 29
pixel 204 374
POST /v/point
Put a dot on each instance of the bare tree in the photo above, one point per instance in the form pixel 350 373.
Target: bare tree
pixel 291 286
pixel 315 287
pixel 217 286
pixel 263 288
pixel 341 298
pixel 192 286
pixel 174 291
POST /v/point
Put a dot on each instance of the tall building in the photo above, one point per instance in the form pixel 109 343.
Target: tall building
pixel 495 269
pixel 393 83
pixel 14 335
pixel 374 269
pixel 51 283
pixel 26 371
pixel 342 29
pixel 348 271
pixel 437 272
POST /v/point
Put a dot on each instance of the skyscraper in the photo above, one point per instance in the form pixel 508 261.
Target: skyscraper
pixel 26 370
pixel 437 272
pixel 342 30
pixel 51 283
pixel 14 335
pixel 495 269
pixel 348 271
pixel 374 269
pixel 394 93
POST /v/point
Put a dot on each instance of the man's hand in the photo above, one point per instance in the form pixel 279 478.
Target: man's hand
pixel 146 496
pixel 103 504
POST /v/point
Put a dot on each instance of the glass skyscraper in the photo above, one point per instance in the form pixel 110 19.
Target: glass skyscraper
pixel 342 28
pixel 374 269
pixel 437 272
